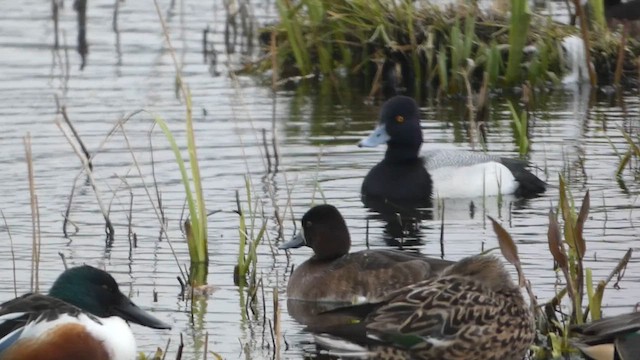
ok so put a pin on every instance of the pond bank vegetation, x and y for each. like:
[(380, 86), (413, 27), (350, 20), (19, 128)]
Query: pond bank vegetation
[(398, 44)]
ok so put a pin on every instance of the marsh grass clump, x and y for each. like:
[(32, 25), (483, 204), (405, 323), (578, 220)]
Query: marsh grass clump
[(521, 130), (399, 44), (251, 230), (196, 225), (568, 248)]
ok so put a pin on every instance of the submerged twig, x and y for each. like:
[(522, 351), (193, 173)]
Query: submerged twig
[(110, 232)]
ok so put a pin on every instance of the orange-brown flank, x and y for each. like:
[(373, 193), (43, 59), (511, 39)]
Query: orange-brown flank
[(64, 342)]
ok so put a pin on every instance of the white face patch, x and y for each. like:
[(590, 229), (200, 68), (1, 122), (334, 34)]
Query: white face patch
[(379, 136), (301, 235)]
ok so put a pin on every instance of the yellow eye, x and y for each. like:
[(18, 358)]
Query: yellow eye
[(399, 119)]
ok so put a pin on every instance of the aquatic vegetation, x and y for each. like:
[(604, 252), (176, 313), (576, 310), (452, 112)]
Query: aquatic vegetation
[(568, 247), (399, 44), (249, 239), (518, 28), (630, 157), (521, 127), (196, 224)]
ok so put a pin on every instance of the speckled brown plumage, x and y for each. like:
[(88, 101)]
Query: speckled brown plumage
[(471, 311)]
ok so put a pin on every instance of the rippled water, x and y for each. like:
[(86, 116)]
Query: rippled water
[(573, 131)]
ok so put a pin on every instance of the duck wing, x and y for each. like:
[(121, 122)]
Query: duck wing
[(436, 159), (17, 313), (427, 314), (434, 312), (608, 329), (380, 272)]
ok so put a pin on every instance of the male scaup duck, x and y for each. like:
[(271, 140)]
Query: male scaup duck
[(404, 176), (471, 310), (333, 274), (84, 317), (616, 337)]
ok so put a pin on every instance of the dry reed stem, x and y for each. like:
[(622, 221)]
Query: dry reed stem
[(85, 163), (35, 217), (67, 212), (159, 214), (276, 321), (13, 254)]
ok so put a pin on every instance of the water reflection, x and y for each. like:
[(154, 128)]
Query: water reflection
[(314, 313)]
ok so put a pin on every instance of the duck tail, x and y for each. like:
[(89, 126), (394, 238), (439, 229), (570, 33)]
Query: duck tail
[(530, 185)]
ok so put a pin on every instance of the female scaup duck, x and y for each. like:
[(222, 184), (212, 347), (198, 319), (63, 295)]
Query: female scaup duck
[(84, 317), (333, 274), (471, 310), (403, 176)]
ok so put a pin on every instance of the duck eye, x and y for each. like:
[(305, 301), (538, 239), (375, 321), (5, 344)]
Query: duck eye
[(399, 119)]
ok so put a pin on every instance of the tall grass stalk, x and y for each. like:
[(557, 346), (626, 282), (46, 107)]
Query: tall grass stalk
[(248, 239), (415, 56), (457, 48), (521, 127), (196, 225), (442, 70), (597, 14), (35, 218), (632, 152), (493, 63), (289, 20), (518, 29)]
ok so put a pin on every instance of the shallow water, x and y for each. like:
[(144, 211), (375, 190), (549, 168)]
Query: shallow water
[(574, 132)]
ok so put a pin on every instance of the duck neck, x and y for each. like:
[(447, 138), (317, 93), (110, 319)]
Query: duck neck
[(338, 246), (402, 153)]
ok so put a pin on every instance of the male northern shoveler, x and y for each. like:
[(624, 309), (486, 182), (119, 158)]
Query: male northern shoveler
[(472, 310), (612, 338), (83, 318)]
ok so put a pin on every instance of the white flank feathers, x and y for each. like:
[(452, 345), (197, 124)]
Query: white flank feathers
[(488, 179)]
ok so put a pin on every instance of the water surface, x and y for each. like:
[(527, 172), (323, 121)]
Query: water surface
[(573, 132)]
